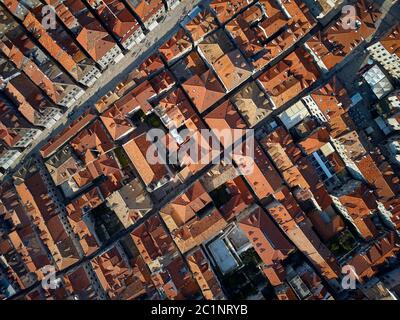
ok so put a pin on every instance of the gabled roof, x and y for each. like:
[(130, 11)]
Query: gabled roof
[(95, 40), (232, 69), (269, 242), (186, 206), (136, 150), (118, 18), (176, 45), (259, 228), (204, 275), (290, 76), (93, 138), (223, 117), (315, 141), (145, 9), (226, 9), (204, 90), (177, 107), (334, 43), (263, 179), (391, 41), (201, 25), (116, 122)]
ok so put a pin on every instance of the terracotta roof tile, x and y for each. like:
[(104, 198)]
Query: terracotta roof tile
[(204, 90)]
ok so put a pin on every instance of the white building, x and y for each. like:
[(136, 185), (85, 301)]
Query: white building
[(294, 115), (314, 109), (114, 55), (378, 82), (390, 62), (8, 157), (393, 147)]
